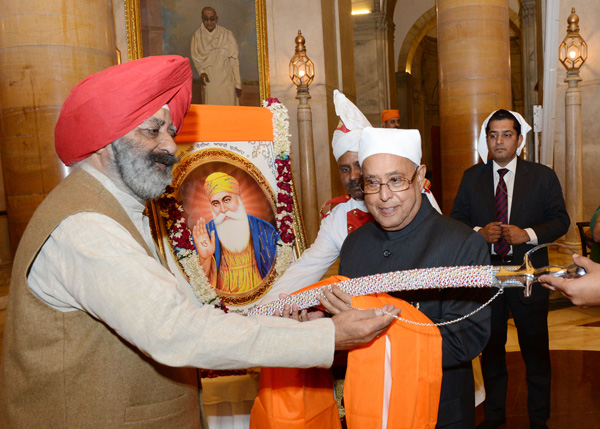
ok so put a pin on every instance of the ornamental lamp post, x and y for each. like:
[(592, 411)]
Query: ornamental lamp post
[(572, 53), (302, 73)]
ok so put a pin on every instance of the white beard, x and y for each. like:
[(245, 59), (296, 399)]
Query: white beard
[(234, 233)]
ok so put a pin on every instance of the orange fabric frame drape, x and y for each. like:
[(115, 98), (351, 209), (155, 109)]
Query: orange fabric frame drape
[(205, 123)]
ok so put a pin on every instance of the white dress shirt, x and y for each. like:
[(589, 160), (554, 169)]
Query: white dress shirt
[(318, 258), (509, 180)]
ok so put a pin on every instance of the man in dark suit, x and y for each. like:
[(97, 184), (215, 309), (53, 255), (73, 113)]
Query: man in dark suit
[(515, 205), (409, 233)]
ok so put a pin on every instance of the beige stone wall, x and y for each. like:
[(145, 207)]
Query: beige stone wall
[(589, 22)]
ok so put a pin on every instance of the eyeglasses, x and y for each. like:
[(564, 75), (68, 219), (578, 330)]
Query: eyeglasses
[(209, 18), (395, 184)]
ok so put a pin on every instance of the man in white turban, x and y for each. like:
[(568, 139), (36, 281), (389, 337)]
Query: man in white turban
[(341, 215), (515, 205), (215, 54), (348, 214), (409, 233)]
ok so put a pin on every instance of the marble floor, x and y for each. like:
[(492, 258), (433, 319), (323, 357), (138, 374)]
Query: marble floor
[(575, 354)]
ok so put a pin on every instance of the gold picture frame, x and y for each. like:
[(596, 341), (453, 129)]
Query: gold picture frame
[(133, 25), (193, 169)]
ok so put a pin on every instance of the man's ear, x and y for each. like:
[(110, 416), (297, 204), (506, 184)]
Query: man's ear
[(421, 174), (520, 140)]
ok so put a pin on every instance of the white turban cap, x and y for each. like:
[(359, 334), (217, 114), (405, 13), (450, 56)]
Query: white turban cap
[(482, 148), (404, 143), (347, 137)]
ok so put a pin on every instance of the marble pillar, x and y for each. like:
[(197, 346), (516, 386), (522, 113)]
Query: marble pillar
[(475, 79), (371, 49), (46, 48), (529, 52)]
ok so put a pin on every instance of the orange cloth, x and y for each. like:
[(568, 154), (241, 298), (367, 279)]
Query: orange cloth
[(416, 372), (205, 123), (107, 105), (293, 398), (296, 398), (303, 398), (386, 115)]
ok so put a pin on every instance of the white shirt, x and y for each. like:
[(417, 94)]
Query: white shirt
[(91, 263), (318, 258), (509, 180)]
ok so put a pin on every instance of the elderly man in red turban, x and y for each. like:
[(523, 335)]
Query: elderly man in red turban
[(98, 332)]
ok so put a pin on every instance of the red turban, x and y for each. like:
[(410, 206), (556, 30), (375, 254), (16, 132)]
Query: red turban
[(107, 105), (386, 115)]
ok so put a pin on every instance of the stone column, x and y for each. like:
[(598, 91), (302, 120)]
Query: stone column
[(573, 159), (46, 48), (308, 177), (372, 64), (474, 65), (529, 54)]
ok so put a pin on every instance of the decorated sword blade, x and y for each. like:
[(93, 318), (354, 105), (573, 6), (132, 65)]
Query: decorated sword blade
[(417, 279), (432, 278)]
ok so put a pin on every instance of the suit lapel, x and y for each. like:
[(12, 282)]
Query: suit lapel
[(519, 191), (489, 191)]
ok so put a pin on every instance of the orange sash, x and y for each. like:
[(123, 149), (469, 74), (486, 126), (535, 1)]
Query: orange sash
[(303, 398), (416, 372), (296, 398)]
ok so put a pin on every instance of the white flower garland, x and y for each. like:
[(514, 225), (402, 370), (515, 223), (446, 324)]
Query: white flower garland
[(281, 146), (180, 235)]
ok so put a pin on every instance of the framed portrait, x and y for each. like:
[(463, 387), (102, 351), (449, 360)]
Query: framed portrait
[(229, 224), (162, 27)]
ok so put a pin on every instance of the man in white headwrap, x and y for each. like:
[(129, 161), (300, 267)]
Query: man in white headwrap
[(341, 215), (535, 214), (409, 233), (348, 214), (215, 52)]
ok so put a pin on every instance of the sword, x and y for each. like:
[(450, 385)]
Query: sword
[(502, 277)]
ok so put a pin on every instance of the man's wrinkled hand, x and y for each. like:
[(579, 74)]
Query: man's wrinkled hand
[(355, 328), (335, 301)]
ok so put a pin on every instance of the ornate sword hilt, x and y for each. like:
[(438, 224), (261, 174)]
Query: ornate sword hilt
[(526, 274)]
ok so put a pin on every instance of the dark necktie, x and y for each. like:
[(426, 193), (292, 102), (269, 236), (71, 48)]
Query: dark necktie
[(501, 247)]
